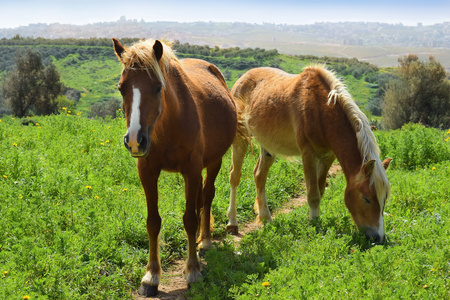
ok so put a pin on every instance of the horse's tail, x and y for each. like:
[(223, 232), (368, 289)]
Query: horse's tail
[(242, 132)]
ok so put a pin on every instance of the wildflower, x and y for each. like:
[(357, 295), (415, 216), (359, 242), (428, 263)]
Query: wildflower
[(109, 127), (5, 273), (37, 124), (0, 120), (425, 286), (88, 187), (124, 190), (107, 141), (103, 144), (64, 108), (26, 297), (266, 283), (96, 197), (4, 176), (433, 168), (69, 111), (14, 144), (121, 109)]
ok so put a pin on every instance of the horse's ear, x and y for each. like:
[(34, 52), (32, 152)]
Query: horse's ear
[(386, 163), (368, 167), (158, 50), (118, 48)]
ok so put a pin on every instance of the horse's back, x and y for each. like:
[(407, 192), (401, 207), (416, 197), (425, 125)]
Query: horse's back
[(267, 94), (284, 112), (216, 107)]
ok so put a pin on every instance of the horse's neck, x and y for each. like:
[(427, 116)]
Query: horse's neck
[(346, 150), (177, 101)]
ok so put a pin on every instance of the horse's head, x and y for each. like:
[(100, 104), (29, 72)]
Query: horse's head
[(141, 85), (365, 197)]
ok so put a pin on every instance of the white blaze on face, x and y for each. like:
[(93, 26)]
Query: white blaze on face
[(135, 118)]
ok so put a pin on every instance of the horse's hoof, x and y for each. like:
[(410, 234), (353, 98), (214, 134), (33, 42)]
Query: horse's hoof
[(148, 290), (233, 229)]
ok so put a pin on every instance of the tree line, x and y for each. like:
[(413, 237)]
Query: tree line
[(417, 91)]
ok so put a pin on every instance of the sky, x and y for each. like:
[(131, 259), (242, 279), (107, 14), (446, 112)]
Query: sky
[(14, 13)]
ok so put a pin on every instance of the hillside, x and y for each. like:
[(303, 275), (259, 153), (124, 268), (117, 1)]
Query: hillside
[(378, 43), (90, 66)]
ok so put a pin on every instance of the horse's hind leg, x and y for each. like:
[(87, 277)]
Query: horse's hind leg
[(209, 191), (238, 150), (260, 174)]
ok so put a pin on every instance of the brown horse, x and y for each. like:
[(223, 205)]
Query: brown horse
[(180, 118), (312, 115)]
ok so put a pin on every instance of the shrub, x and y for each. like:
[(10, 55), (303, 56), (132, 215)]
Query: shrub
[(414, 145), (420, 95)]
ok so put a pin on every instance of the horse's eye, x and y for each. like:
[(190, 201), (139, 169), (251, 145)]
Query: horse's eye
[(366, 199)]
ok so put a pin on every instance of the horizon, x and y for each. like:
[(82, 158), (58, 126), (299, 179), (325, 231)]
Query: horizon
[(289, 12)]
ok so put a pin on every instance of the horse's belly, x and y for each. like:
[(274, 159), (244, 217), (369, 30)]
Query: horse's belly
[(275, 140)]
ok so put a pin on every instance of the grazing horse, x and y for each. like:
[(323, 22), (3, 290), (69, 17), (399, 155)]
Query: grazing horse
[(180, 117), (312, 115)]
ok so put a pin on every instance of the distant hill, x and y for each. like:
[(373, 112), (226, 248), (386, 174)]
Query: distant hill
[(378, 43)]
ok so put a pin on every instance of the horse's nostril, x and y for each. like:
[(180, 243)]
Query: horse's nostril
[(125, 141), (143, 142)]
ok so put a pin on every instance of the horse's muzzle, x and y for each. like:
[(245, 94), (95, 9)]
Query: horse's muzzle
[(138, 147), (373, 236)]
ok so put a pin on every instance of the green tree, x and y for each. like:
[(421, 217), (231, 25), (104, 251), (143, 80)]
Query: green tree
[(105, 108), (32, 87), (421, 94)]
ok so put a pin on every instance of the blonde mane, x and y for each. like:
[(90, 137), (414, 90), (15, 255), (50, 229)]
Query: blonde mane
[(141, 56), (367, 143)]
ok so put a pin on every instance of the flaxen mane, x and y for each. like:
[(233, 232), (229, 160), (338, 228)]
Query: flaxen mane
[(141, 56), (367, 144)]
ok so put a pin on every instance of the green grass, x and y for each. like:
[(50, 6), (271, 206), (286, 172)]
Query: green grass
[(73, 210), (73, 223)]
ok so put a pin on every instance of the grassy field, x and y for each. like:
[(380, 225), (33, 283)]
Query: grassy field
[(73, 222), (73, 210)]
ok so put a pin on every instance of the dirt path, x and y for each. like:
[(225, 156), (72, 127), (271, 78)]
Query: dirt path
[(173, 285)]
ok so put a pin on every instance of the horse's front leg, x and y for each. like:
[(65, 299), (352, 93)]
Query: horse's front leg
[(150, 282), (313, 192), (193, 181)]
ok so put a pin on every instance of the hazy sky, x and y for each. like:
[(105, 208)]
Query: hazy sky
[(14, 13)]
